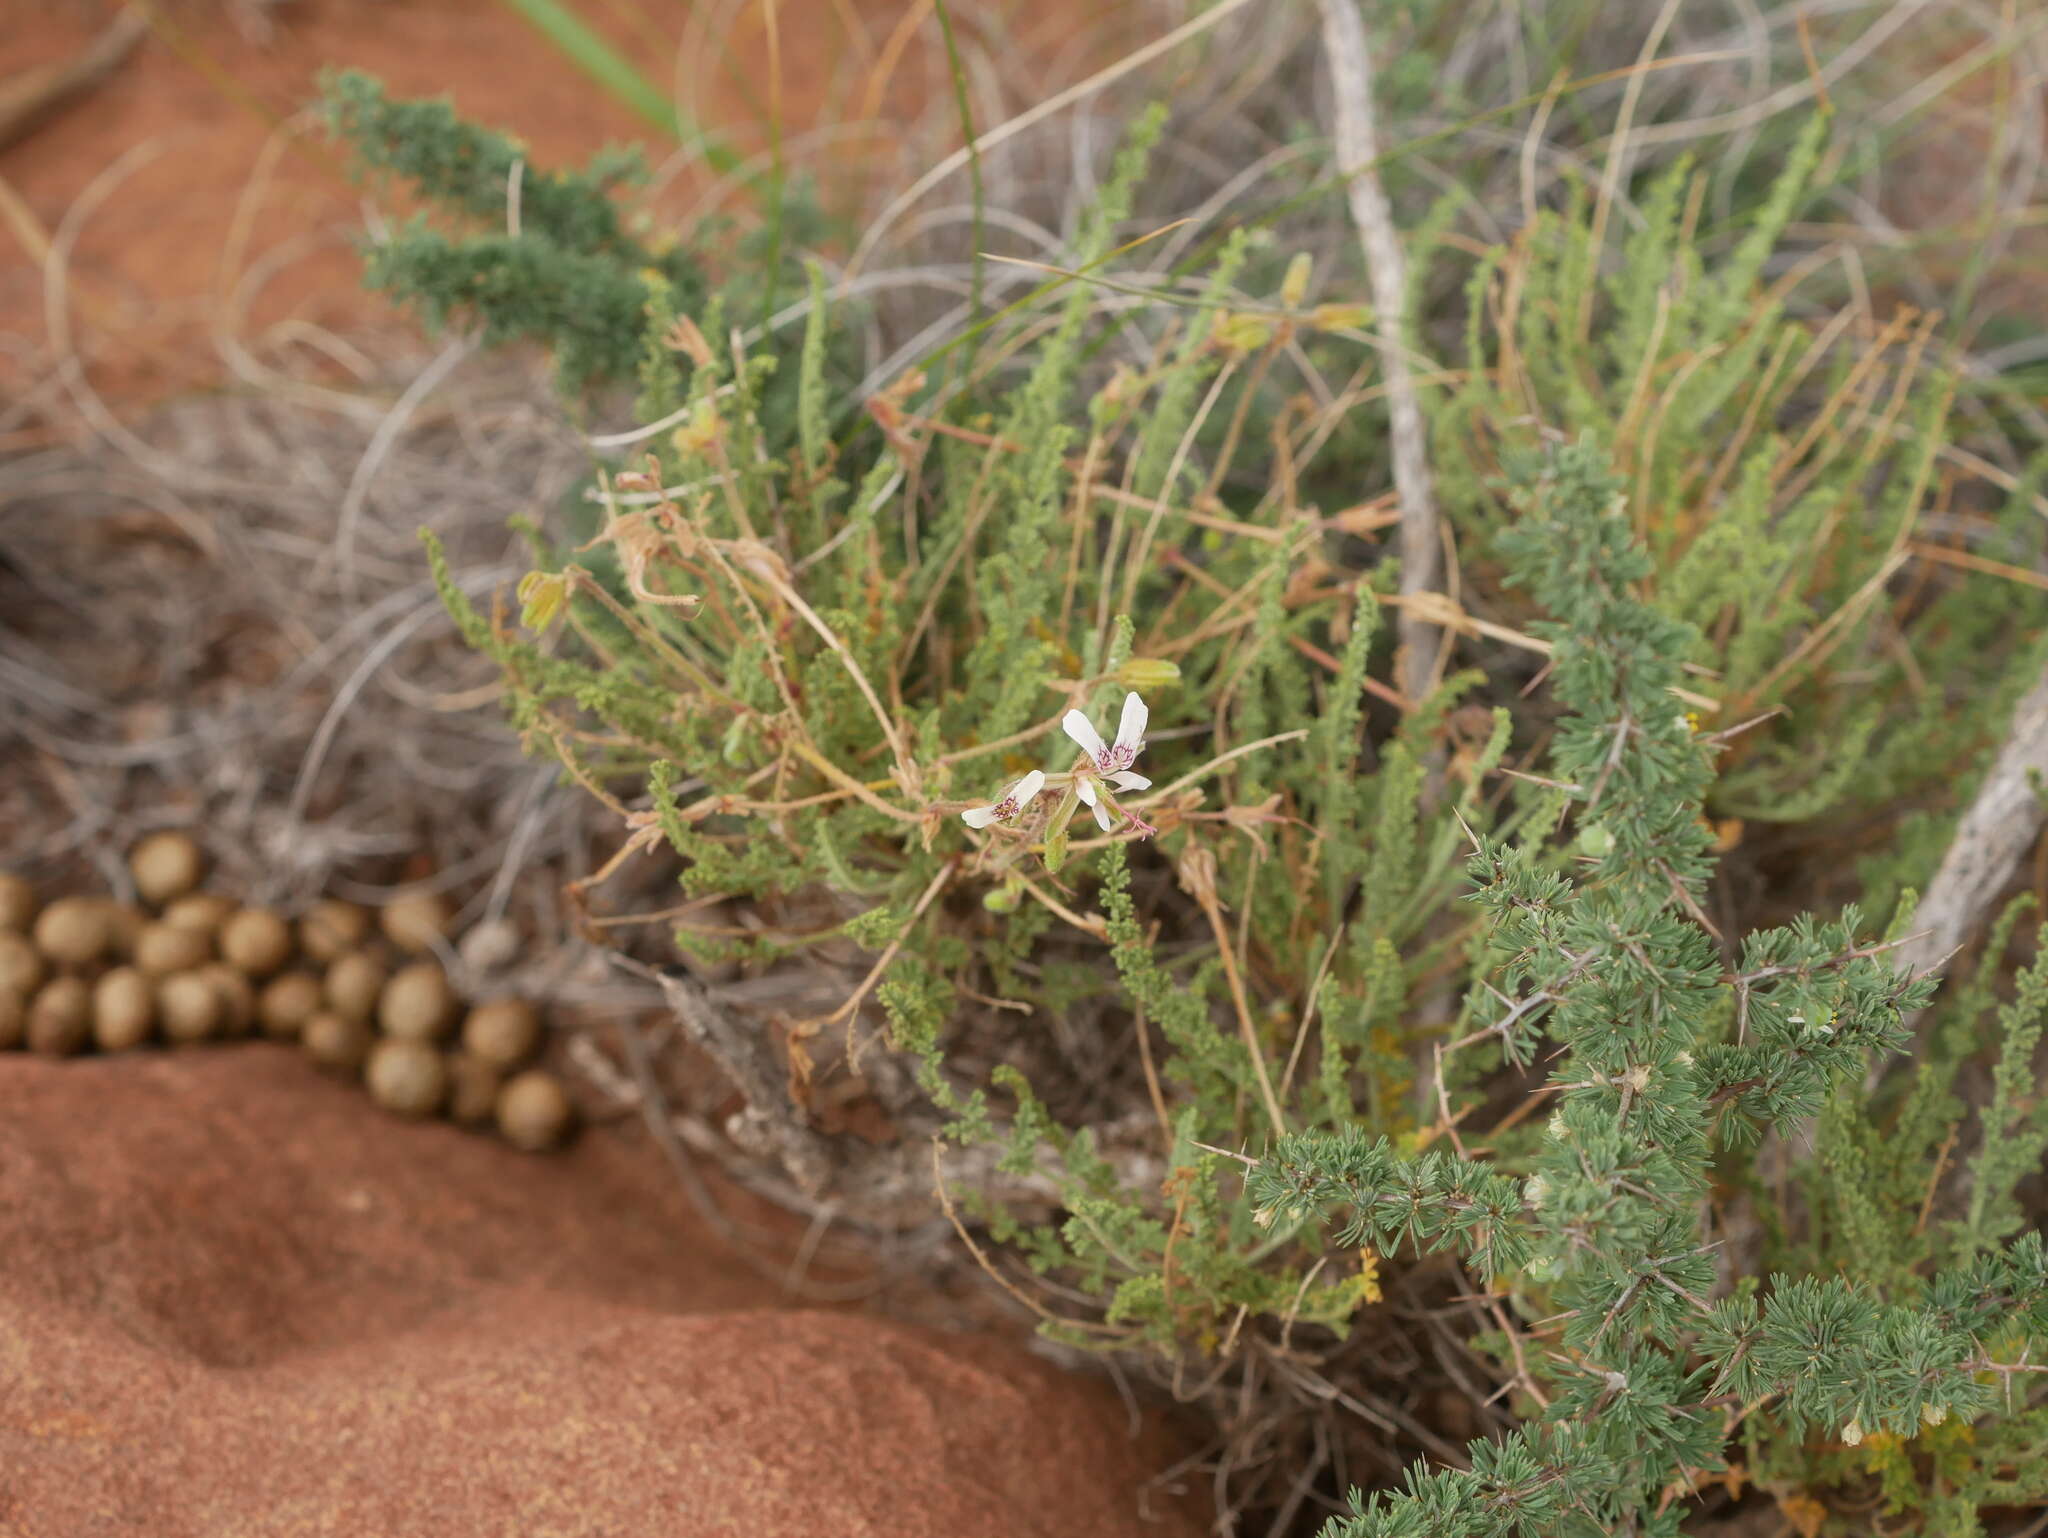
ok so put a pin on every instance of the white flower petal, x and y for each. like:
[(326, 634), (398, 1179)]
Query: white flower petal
[(1130, 731), (978, 816), (1123, 779), (1084, 787), (1101, 815), (1082, 730), (1026, 790)]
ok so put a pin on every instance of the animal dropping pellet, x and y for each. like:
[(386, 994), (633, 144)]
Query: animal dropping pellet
[(166, 866), (17, 904), (60, 1017), (408, 1077), (534, 1111), (163, 948), (13, 1019), (73, 931), (336, 1042), (418, 1004), (286, 1003), (123, 1010), (202, 910), (352, 986), (331, 929), (414, 922), (472, 1090), (188, 1006), (237, 998), (125, 923), (255, 941), (502, 1032), (21, 965)]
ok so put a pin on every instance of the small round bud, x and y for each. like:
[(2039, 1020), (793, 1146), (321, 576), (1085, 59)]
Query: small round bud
[(335, 1042), (188, 1006), (415, 921), (201, 910), (286, 1003), (353, 984), (21, 965), (417, 1004), (332, 928), (534, 1111), (17, 904), (123, 1010), (502, 1032), (163, 948), (60, 1017), (73, 931), (408, 1077), (165, 866), (255, 941)]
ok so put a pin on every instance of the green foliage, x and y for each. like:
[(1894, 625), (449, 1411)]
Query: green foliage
[(1657, 1052), (812, 648), (567, 274), (1775, 478)]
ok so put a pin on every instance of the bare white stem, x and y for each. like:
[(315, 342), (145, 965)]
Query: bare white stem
[(1357, 146), (1999, 827)]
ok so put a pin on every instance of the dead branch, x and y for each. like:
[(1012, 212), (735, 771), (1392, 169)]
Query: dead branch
[(1999, 827), (1357, 144)]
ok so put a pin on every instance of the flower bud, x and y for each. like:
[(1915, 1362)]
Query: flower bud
[(1241, 332), (1852, 1434), (1341, 317), (1055, 851), (699, 433), (1294, 287), (1004, 898), (541, 596), (1145, 674)]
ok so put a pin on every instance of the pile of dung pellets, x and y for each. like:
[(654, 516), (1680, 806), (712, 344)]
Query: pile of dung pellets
[(359, 993)]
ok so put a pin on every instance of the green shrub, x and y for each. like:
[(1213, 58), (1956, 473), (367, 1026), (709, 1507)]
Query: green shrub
[(830, 661)]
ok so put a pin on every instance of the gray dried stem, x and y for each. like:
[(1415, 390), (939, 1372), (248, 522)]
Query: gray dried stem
[(2000, 825), (1356, 140)]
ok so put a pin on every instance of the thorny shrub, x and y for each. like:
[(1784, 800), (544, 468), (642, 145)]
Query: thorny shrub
[(1037, 676)]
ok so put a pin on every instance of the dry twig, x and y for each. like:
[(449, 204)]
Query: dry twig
[(1357, 145), (1999, 827)]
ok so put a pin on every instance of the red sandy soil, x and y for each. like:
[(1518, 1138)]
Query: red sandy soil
[(236, 1299), (198, 163)]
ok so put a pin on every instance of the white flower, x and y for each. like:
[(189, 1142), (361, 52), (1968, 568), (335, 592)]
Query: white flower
[(1015, 799), (1109, 761), (1085, 789), (1113, 760)]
